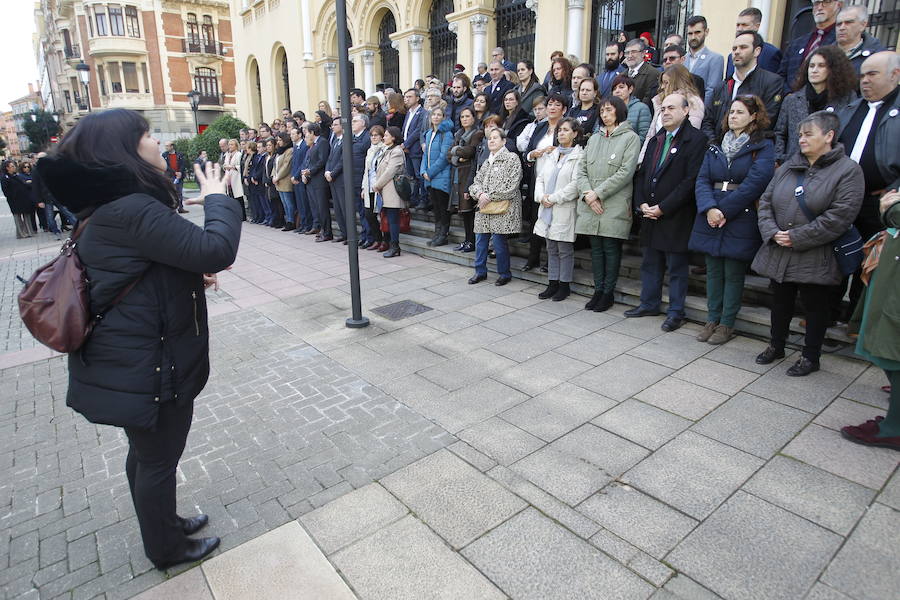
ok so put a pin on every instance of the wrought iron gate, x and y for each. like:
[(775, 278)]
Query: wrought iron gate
[(673, 15), (607, 21), (443, 41), (884, 21), (515, 30), (390, 57)]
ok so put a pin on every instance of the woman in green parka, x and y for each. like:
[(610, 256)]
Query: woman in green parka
[(877, 320), (605, 189)]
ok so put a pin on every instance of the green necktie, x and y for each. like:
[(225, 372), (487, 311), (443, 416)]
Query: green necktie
[(665, 150)]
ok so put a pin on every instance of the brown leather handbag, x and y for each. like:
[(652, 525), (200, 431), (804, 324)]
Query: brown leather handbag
[(55, 302)]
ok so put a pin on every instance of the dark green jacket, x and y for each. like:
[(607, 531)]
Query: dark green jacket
[(882, 334)]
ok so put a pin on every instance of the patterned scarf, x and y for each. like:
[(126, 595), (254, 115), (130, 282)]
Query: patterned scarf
[(731, 144)]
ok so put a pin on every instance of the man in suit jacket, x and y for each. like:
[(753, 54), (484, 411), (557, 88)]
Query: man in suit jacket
[(334, 175), (497, 86), (413, 123), (675, 55), (824, 16), (305, 214), (361, 143), (748, 78), (644, 75), (664, 199), (701, 60), (314, 177), (769, 59)]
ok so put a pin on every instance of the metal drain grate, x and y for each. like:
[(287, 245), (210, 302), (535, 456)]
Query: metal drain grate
[(401, 310)]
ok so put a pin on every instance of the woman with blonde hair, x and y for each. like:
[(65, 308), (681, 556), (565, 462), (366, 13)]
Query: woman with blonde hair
[(233, 175), (675, 80)]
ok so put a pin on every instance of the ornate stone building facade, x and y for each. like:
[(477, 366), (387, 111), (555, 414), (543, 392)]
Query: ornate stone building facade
[(144, 55), (286, 50)]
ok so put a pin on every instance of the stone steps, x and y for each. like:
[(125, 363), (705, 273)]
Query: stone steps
[(752, 320)]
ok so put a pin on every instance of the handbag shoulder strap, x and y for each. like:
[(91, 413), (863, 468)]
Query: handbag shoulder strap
[(799, 194)]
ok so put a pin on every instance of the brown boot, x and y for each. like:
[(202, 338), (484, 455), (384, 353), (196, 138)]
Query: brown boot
[(721, 335), (708, 330)]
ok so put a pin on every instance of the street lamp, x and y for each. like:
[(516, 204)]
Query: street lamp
[(194, 97), (84, 74)]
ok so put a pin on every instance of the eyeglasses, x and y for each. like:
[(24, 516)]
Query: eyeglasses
[(668, 59), (627, 52)]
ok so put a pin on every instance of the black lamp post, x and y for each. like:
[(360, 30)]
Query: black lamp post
[(356, 320), (194, 97), (84, 74)]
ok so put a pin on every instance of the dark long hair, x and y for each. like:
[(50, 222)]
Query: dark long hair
[(755, 106), (110, 139), (533, 79), (842, 77)]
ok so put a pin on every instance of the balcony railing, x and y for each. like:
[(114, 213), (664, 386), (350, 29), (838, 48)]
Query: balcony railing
[(215, 100), (193, 46), (73, 51)]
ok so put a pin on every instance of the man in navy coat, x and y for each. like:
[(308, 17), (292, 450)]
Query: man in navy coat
[(769, 58), (334, 175), (497, 86), (314, 177), (307, 221), (824, 15), (361, 143), (412, 129)]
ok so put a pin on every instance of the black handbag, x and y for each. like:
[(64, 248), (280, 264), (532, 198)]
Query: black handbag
[(403, 183), (847, 248)]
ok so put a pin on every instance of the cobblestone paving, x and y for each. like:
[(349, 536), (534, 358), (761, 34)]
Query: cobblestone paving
[(280, 430)]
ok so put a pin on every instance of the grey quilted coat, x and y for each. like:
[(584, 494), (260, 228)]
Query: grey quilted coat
[(834, 192)]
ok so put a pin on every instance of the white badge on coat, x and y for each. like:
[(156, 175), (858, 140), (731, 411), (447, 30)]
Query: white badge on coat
[(866, 52), (673, 150), (612, 156), (702, 57), (893, 113)]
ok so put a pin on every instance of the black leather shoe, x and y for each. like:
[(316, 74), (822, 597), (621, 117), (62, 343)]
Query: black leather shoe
[(477, 279), (769, 355), (194, 524), (803, 367), (502, 280), (672, 323), (637, 311), (528, 267), (195, 550)]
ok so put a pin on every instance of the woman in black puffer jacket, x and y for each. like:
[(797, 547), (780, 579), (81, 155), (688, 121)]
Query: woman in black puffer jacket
[(148, 356)]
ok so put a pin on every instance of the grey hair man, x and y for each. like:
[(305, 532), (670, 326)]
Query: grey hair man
[(850, 34)]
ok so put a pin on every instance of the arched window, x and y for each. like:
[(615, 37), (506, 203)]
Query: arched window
[(209, 35), (206, 82), (515, 30), (390, 57), (443, 41), (285, 80), (193, 33), (607, 16)]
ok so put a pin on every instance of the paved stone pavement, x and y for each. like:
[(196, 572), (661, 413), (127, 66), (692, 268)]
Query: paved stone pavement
[(495, 446)]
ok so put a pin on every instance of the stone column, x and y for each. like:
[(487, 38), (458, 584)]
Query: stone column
[(479, 40), (416, 43), (368, 60), (307, 30), (331, 81), (574, 28)]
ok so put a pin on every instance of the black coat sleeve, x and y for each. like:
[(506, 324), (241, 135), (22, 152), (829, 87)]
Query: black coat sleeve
[(683, 194), (163, 236)]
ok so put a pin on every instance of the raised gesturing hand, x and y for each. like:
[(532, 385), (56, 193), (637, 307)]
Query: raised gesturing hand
[(211, 182)]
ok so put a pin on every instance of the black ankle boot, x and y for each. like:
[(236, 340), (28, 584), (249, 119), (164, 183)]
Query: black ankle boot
[(605, 303), (562, 293), (552, 288), (595, 299)]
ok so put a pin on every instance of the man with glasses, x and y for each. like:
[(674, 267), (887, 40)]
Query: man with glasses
[(701, 60), (769, 59), (851, 36), (824, 15), (747, 80), (675, 55), (499, 55), (644, 75)]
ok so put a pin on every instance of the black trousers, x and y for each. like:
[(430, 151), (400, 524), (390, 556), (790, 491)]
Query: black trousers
[(374, 221), (440, 204), (150, 466), (816, 304), (322, 196)]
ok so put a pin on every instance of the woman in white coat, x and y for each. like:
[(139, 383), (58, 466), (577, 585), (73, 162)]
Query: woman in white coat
[(233, 179), (556, 191)]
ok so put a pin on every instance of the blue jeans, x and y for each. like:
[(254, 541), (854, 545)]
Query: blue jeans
[(501, 249), (393, 219), (262, 201), (302, 202), (287, 200), (653, 269)]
